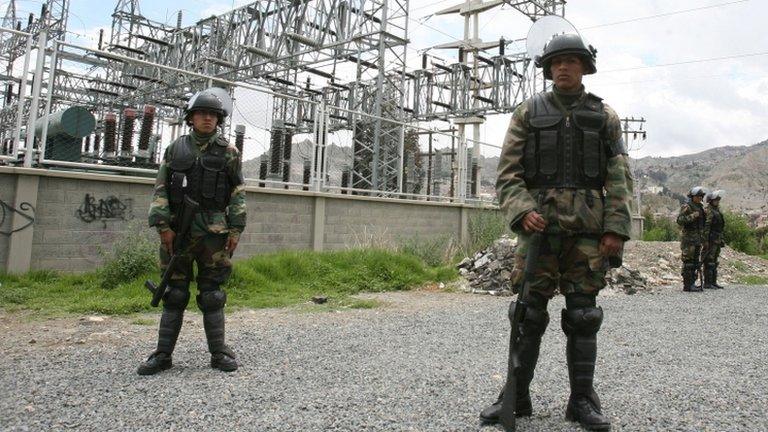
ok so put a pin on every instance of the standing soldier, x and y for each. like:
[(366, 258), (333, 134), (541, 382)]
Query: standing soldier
[(564, 149), (713, 239), (205, 167), (691, 221)]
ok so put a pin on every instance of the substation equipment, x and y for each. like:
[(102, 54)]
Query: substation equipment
[(330, 66)]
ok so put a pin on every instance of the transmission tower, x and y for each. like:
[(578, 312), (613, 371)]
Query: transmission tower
[(632, 127)]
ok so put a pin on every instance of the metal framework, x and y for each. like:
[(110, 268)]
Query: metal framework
[(339, 56)]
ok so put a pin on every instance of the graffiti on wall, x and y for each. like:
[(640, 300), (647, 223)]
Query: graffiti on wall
[(25, 210), (104, 210)]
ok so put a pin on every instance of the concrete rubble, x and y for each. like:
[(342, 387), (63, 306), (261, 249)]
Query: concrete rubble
[(647, 267)]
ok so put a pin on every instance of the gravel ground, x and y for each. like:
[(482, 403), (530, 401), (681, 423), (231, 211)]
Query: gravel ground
[(426, 361)]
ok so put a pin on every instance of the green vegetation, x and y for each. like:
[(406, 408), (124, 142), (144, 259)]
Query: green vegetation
[(485, 227), (434, 251), (740, 236), (753, 280), (135, 254), (273, 280), (661, 229), (739, 266)]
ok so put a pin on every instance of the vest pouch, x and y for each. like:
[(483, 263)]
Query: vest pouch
[(548, 152), (592, 154), (213, 174), (529, 156), (176, 185)]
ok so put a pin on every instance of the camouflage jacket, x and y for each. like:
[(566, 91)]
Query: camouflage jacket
[(571, 211), (691, 221), (231, 221), (714, 225)]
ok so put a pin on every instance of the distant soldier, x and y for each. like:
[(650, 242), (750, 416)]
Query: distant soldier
[(713, 239), (564, 172), (205, 167), (691, 220)]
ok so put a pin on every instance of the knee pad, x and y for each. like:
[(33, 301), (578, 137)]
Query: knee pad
[(584, 321), (210, 301), (177, 296), (535, 320)]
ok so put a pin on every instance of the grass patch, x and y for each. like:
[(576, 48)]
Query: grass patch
[(143, 321), (262, 281), (753, 280), (740, 266)]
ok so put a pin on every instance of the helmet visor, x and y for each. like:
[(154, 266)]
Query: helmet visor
[(543, 30)]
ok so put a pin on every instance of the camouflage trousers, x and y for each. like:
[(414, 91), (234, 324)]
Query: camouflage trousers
[(568, 264), (208, 251), (690, 252), (712, 254)]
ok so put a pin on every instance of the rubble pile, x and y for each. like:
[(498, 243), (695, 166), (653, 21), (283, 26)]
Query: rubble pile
[(660, 263), (647, 267), (489, 271)]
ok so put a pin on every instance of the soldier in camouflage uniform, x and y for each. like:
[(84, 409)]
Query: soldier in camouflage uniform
[(713, 239), (206, 167), (691, 220), (564, 148)]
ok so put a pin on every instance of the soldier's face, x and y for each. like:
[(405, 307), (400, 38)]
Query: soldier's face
[(567, 71), (697, 199), (715, 202), (204, 122)]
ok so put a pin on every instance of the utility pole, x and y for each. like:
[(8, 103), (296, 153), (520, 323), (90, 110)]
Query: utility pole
[(634, 127)]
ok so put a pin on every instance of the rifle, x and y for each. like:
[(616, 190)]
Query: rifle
[(187, 213), (509, 400)]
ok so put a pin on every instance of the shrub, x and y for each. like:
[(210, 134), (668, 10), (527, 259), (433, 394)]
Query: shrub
[(739, 235), (661, 229), (433, 251), (485, 227), (134, 254)]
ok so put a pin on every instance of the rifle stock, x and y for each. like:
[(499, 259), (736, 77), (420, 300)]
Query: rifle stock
[(187, 214), (509, 400)]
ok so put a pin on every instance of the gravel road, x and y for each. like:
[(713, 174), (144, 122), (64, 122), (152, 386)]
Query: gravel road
[(425, 361)]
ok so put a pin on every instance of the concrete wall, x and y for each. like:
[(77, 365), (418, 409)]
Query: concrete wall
[(354, 223), (63, 241), (7, 192), (60, 239)]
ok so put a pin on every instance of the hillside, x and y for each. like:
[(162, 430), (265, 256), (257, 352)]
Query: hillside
[(742, 171)]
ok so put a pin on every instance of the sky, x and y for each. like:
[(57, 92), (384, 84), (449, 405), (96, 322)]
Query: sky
[(695, 70)]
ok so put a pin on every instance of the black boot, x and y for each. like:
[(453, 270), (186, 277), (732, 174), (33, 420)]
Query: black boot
[(581, 326), (170, 326), (708, 276), (689, 278), (714, 277), (174, 303), (222, 358), (533, 326), (212, 304)]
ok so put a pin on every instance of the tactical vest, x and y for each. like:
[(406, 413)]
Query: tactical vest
[(566, 150), (698, 224), (201, 176), (718, 223)]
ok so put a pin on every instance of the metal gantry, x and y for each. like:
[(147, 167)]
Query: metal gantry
[(343, 61)]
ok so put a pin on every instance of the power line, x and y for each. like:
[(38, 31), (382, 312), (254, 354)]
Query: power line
[(762, 53), (665, 14)]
